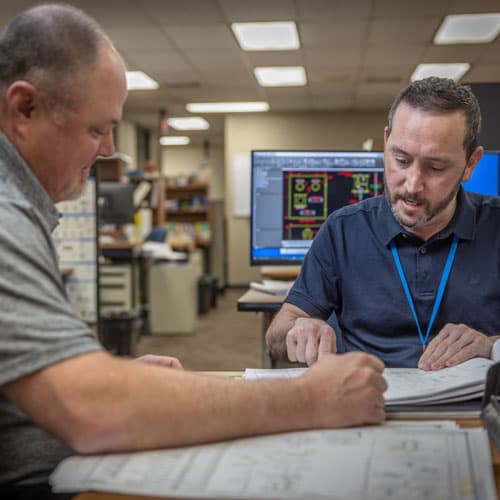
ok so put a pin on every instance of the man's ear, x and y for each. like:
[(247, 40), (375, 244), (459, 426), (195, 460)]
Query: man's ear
[(21, 98), (474, 159), (386, 134)]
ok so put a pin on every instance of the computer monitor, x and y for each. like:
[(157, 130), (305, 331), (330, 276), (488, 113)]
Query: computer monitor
[(486, 176), (116, 203), (293, 192)]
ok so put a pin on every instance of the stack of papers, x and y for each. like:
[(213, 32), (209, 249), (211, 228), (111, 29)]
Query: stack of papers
[(411, 386), (275, 287), (458, 383), (410, 461)]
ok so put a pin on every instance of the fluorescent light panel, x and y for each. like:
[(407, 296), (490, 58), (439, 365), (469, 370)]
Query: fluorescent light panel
[(174, 140), (138, 80), (188, 123), (468, 28), (447, 70), (267, 36), (285, 76), (227, 107)]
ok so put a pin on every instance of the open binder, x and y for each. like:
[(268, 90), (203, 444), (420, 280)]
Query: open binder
[(490, 408)]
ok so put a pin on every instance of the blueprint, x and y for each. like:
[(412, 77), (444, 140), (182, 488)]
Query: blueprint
[(419, 462)]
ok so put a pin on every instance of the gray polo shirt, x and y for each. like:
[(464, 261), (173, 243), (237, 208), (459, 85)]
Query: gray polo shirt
[(37, 324)]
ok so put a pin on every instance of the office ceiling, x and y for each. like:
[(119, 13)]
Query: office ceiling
[(357, 53)]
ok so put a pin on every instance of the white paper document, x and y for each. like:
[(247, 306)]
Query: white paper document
[(413, 386), (274, 287), (378, 463)]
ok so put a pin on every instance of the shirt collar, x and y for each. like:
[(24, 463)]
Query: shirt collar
[(16, 171), (462, 223)]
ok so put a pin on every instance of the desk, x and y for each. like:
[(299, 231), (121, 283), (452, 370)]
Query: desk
[(266, 303)]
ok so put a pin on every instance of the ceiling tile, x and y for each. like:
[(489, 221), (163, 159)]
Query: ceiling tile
[(276, 58), (215, 60), (140, 38), (116, 13), (476, 7), (452, 53), (258, 10), (391, 9), (401, 32), (333, 35), (151, 61), (485, 73), (333, 10), (331, 58), (202, 36), (491, 53), (182, 12), (379, 57)]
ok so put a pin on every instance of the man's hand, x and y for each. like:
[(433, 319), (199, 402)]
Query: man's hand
[(309, 340), (347, 389), (453, 345), (168, 361)]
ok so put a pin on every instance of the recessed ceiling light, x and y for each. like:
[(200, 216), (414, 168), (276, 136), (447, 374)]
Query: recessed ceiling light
[(227, 107), (138, 80), (284, 76), (445, 70), (189, 123), (174, 140), (267, 36), (468, 28)]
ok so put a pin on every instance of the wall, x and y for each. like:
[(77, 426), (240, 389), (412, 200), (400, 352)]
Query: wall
[(243, 133), (126, 142), (186, 160)]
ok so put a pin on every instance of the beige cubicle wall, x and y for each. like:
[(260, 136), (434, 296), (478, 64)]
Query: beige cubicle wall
[(244, 132)]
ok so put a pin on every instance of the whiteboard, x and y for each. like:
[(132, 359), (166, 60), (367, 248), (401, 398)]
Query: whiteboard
[(241, 185), (75, 240)]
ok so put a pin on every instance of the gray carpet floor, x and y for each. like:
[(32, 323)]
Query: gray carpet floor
[(224, 339)]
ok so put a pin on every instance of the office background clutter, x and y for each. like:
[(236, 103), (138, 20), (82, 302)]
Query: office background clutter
[(356, 55)]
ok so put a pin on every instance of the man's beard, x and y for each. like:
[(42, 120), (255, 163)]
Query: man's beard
[(429, 212)]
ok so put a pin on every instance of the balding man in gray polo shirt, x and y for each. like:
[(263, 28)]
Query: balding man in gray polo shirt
[(62, 89)]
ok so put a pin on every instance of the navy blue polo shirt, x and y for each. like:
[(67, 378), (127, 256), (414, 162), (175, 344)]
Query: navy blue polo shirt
[(349, 277)]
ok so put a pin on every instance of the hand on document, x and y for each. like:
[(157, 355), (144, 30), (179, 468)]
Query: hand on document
[(455, 344), (348, 389)]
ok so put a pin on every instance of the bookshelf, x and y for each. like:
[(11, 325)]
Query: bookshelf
[(187, 210)]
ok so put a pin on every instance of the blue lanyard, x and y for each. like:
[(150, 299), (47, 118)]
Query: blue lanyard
[(440, 293)]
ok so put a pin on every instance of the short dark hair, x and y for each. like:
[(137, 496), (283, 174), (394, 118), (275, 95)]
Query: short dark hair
[(443, 95), (49, 46)]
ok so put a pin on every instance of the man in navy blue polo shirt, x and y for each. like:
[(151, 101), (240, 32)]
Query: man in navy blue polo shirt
[(412, 276)]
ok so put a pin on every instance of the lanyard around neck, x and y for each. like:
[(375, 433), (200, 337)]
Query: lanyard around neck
[(440, 293)]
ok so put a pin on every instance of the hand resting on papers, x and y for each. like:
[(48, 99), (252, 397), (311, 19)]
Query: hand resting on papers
[(453, 345)]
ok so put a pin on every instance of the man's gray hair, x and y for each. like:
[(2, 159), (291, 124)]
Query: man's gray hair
[(443, 95), (50, 46)]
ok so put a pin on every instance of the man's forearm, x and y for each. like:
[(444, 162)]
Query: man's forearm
[(129, 406)]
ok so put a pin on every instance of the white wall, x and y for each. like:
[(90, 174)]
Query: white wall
[(244, 132), (126, 142)]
